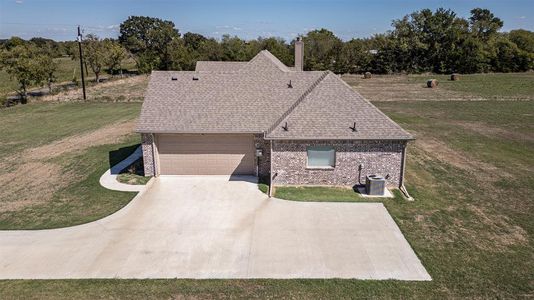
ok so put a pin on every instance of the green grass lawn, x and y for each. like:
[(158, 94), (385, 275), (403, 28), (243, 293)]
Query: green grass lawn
[(317, 194), (471, 174), (61, 190), (324, 194), (32, 125), (81, 201)]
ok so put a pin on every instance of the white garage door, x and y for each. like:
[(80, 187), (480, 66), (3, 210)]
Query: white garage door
[(209, 154)]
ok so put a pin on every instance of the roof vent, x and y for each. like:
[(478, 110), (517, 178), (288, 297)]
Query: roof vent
[(195, 78), (174, 78), (353, 128), (289, 85), (285, 127)]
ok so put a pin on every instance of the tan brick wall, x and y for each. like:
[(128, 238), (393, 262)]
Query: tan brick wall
[(289, 159)]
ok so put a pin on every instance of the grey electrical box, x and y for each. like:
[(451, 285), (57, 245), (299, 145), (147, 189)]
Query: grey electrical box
[(375, 185)]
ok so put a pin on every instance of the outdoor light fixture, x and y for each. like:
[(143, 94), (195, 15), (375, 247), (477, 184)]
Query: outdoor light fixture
[(259, 152)]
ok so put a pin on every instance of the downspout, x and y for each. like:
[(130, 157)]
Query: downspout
[(154, 154), (271, 169), (402, 188)]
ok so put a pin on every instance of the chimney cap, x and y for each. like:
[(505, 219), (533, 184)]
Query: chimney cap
[(299, 39)]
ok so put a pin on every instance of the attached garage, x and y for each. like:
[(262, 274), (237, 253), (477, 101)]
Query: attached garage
[(206, 154)]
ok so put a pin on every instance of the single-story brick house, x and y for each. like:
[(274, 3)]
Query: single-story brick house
[(263, 118)]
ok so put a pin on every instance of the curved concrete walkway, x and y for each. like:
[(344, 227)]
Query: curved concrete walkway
[(109, 179), (213, 227)]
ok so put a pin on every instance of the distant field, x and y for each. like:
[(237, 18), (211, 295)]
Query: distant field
[(67, 69), (498, 86)]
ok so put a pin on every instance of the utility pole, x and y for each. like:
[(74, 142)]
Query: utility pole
[(81, 61)]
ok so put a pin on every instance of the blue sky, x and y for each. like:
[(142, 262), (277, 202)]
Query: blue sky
[(57, 19)]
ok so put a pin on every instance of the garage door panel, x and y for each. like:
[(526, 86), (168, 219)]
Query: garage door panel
[(206, 154)]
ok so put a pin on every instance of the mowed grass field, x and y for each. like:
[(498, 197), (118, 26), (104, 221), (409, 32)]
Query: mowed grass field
[(505, 86), (471, 172)]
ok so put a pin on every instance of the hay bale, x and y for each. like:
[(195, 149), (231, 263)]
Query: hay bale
[(367, 75), (455, 77), (432, 83)]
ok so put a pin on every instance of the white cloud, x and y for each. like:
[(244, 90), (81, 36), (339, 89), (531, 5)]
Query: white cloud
[(522, 17), (19, 1), (229, 27)]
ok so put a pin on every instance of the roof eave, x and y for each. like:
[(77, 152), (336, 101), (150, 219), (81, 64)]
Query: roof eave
[(196, 131), (340, 138)]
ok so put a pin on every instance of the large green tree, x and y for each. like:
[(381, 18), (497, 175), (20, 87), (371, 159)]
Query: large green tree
[(321, 50), (28, 66), (95, 54), (356, 56), (524, 39), (115, 55), (425, 41), (484, 25), (148, 39)]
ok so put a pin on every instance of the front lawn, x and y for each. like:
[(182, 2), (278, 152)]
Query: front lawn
[(52, 157)]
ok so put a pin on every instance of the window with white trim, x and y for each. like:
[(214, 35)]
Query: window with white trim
[(321, 157)]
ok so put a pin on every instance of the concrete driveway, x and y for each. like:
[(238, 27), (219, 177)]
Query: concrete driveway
[(209, 227)]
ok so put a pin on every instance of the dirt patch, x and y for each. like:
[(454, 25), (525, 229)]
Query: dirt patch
[(31, 183), (105, 135), (498, 233), (121, 90), (492, 131), (441, 151)]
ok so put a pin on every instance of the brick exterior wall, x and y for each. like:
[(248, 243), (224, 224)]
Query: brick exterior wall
[(289, 160), (147, 144), (264, 162)]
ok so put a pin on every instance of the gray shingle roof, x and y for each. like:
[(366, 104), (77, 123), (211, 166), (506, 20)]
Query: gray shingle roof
[(219, 66), (330, 110), (264, 61), (255, 98)]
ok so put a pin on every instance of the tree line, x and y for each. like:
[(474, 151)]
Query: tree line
[(424, 41)]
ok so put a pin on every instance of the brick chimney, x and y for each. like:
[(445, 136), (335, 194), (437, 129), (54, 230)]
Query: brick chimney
[(299, 54)]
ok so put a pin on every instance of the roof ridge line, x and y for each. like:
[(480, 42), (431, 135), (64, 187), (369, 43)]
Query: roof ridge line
[(298, 101)]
